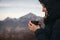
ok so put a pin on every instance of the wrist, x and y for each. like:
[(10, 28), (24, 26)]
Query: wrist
[(38, 27)]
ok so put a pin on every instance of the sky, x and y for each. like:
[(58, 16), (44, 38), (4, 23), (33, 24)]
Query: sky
[(18, 8)]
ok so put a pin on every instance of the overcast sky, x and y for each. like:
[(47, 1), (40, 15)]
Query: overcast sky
[(18, 8)]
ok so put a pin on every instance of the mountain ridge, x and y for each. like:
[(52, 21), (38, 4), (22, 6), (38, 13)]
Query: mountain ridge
[(20, 22)]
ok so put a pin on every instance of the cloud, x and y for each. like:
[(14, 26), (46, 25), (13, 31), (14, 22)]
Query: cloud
[(8, 3), (18, 4)]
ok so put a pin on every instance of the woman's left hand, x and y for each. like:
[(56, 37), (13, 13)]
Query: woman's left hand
[(32, 26)]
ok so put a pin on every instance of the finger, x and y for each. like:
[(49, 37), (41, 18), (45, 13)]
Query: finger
[(30, 23)]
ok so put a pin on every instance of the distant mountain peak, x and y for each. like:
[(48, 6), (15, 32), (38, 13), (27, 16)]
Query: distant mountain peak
[(8, 18), (30, 14)]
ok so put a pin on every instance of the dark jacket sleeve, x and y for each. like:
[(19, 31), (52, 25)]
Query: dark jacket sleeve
[(56, 31), (40, 33)]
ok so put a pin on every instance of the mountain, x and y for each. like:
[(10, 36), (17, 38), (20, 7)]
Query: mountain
[(23, 21), (20, 22), (30, 16)]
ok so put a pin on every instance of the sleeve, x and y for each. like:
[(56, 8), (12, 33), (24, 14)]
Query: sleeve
[(56, 31), (40, 34)]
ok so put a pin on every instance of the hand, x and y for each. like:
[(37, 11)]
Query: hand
[(32, 26)]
